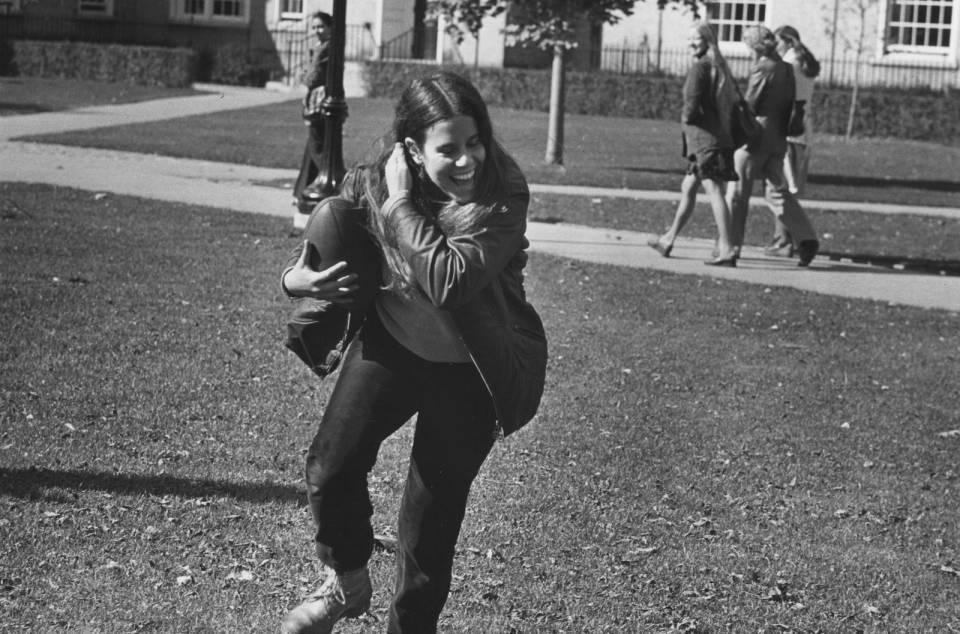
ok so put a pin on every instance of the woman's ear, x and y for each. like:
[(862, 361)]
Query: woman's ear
[(413, 151)]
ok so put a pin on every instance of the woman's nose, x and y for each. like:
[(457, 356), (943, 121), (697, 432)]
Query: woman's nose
[(463, 160)]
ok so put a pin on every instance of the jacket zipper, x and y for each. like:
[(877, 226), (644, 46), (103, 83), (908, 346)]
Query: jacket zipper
[(498, 433)]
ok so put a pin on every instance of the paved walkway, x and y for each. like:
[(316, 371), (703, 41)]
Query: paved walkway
[(248, 189)]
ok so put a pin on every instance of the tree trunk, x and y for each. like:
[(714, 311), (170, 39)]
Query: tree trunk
[(554, 154), (853, 105)]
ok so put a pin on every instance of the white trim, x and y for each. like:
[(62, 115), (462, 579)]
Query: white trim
[(11, 7), (205, 13), (291, 15), (106, 11), (911, 54), (733, 22)]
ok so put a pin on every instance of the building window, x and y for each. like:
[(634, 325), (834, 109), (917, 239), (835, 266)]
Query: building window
[(222, 11), (9, 7), (291, 9), (730, 17), (920, 26), (95, 7)]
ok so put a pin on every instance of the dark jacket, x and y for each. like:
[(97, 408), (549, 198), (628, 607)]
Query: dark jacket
[(770, 93), (703, 125), (477, 275)]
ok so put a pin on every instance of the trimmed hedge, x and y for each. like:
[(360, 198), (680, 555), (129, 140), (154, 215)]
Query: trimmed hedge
[(898, 113), (143, 65)]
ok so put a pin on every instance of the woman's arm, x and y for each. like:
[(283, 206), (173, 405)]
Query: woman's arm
[(452, 269)]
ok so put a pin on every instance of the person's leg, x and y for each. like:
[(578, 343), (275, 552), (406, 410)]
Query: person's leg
[(738, 195), (721, 216), (374, 395), (454, 434), (786, 207), (688, 201), (372, 398)]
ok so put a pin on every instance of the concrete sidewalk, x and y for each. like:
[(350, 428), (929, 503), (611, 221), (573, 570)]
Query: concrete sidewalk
[(253, 189)]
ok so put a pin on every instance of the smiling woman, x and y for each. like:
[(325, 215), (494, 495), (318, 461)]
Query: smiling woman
[(449, 337)]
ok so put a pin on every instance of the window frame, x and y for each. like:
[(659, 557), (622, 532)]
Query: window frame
[(286, 14), (762, 11), (11, 7), (913, 51), (207, 17), (107, 11)]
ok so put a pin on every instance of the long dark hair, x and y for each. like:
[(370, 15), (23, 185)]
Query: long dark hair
[(809, 65), (425, 101)]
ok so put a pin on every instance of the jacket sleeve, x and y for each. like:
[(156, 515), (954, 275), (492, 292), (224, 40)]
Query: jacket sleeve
[(757, 88), (695, 89), (450, 270), (317, 75)]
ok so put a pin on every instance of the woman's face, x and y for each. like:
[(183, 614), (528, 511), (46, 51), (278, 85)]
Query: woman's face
[(321, 30), (698, 45), (782, 45), (452, 155)]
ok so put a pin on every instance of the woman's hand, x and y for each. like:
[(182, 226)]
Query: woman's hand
[(334, 284), (396, 172)]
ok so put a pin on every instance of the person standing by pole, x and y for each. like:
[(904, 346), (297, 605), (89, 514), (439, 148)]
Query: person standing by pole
[(306, 193)]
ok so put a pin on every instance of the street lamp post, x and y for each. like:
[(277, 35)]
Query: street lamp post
[(331, 170)]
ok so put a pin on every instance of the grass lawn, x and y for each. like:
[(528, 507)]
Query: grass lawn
[(710, 456), (28, 95)]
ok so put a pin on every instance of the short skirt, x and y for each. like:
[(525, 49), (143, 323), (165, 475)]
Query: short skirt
[(713, 164)]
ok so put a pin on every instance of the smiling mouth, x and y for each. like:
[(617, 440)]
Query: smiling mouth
[(463, 179)]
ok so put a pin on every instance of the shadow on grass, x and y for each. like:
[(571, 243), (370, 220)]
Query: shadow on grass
[(29, 484), (834, 179), (11, 109)]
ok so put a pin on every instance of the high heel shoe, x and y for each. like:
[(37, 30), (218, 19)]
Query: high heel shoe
[(730, 261), (659, 247)]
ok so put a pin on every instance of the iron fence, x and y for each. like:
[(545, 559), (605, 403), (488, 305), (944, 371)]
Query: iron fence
[(290, 44), (840, 72)]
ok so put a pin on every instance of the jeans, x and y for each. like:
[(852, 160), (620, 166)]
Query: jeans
[(381, 385), (783, 204)]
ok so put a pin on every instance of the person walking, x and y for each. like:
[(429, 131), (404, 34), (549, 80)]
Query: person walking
[(708, 98), (450, 338), (305, 192), (796, 163), (770, 93)]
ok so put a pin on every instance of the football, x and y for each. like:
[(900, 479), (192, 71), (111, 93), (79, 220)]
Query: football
[(337, 231)]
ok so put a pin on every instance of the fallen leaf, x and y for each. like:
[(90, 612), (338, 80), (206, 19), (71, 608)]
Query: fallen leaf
[(953, 433), (183, 580), (950, 570), (243, 575)]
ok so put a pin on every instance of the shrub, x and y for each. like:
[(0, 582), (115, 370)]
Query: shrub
[(234, 64), (144, 65), (899, 113)]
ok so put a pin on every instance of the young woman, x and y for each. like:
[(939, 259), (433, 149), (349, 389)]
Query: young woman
[(305, 193), (770, 93), (449, 337), (797, 160), (708, 148)]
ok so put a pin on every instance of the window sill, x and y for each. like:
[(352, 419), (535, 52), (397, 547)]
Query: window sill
[(916, 59)]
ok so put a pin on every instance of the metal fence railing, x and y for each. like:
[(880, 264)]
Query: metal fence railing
[(840, 72), (290, 48)]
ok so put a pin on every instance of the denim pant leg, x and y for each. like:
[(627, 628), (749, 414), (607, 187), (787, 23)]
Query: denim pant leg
[(373, 397), (784, 204), (454, 434)]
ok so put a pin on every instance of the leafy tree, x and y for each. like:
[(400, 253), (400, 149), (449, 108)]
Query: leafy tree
[(550, 25)]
